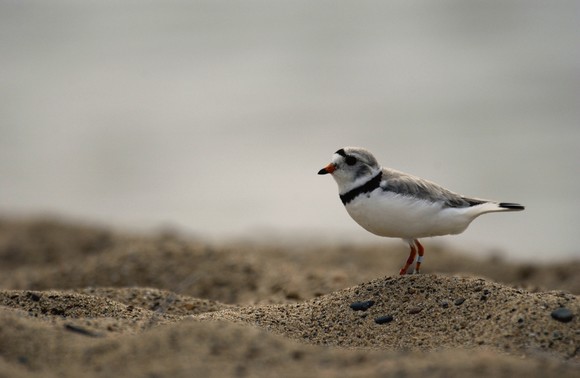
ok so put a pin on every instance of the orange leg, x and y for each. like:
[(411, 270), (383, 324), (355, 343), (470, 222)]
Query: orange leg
[(421, 252), (410, 260)]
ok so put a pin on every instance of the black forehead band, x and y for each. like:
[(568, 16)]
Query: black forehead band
[(341, 152)]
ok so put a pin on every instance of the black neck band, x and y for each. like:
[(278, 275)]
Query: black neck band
[(367, 187)]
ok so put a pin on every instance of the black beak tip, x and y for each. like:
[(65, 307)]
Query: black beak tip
[(323, 171)]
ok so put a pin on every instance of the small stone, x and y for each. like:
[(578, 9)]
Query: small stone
[(34, 297), (57, 311), (384, 319), (297, 355), (362, 306), (563, 315), (444, 304), (415, 310), (459, 301), (81, 330)]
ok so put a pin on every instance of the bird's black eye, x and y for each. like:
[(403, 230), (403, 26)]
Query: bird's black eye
[(350, 160)]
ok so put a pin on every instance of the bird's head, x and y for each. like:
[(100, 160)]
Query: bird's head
[(351, 167)]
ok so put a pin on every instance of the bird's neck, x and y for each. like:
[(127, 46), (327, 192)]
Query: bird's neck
[(367, 186)]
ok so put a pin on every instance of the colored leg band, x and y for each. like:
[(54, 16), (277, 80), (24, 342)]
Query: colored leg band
[(420, 259)]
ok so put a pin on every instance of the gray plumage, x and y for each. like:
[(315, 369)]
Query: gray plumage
[(407, 185)]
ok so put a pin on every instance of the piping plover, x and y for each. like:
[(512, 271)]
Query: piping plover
[(390, 203)]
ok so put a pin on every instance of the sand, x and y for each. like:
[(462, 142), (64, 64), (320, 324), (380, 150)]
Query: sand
[(82, 300)]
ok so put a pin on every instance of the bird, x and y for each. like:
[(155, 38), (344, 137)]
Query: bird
[(391, 203)]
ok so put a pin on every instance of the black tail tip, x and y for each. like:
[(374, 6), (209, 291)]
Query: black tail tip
[(511, 206)]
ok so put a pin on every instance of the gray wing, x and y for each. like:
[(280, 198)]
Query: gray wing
[(407, 185)]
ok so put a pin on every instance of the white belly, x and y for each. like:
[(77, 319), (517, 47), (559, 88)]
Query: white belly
[(393, 215)]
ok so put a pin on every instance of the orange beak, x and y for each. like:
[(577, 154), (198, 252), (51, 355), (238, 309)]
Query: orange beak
[(328, 169)]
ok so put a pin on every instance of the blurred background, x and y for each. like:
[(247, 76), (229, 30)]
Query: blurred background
[(213, 117)]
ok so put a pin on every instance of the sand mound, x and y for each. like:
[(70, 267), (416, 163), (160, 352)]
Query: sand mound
[(96, 339), (424, 312), (160, 301), (85, 301), (218, 349)]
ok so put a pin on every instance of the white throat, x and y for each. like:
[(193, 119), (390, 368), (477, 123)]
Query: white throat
[(345, 184)]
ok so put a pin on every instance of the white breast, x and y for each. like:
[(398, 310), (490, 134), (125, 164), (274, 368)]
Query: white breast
[(393, 215)]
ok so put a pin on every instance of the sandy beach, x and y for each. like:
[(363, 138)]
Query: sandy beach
[(84, 300)]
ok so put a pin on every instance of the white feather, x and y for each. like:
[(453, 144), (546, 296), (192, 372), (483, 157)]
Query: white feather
[(394, 215)]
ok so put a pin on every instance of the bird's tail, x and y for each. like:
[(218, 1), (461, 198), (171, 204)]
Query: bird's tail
[(510, 206), (493, 207)]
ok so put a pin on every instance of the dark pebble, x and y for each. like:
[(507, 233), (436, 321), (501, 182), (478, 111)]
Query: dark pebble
[(81, 330), (563, 315), (459, 301), (415, 310), (444, 304), (57, 311), (362, 306), (384, 319), (34, 297), (297, 355)]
